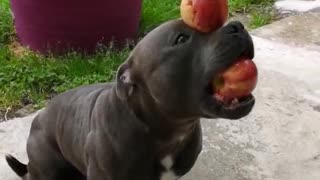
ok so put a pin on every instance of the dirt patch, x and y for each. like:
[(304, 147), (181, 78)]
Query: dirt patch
[(17, 49), (16, 112)]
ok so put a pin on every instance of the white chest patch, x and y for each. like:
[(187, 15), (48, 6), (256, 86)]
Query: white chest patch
[(167, 163), (168, 175)]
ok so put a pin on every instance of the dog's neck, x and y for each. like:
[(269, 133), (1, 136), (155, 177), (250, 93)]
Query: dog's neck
[(169, 131)]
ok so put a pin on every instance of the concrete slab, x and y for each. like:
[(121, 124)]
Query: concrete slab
[(297, 63), (297, 5), (13, 136), (299, 30)]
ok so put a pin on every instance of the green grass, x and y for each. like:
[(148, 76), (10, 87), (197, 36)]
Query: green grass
[(259, 19), (243, 6), (158, 11), (33, 78), (261, 16), (28, 78), (6, 24)]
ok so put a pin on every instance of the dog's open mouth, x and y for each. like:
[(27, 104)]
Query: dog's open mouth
[(232, 87), (234, 102)]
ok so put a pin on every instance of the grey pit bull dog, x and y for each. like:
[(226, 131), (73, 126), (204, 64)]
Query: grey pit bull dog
[(146, 125)]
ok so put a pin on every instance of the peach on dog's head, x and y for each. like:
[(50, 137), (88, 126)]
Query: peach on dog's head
[(204, 15)]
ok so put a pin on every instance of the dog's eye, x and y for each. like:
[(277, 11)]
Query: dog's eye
[(181, 38)]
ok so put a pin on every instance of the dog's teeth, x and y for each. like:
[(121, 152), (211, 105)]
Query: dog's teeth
[(235, 101)]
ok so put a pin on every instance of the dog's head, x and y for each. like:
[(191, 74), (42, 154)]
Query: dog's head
[(173, 66)]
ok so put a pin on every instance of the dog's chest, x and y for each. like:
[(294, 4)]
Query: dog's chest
[(168, 173), (167, 151)]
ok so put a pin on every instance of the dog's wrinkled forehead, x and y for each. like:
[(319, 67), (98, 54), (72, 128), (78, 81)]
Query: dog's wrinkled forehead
[(164, 34), (157, 43)]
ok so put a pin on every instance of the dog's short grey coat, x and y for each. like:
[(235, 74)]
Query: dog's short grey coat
[(145, 125)]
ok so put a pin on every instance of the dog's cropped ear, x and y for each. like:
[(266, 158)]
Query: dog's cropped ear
[(124, 81)]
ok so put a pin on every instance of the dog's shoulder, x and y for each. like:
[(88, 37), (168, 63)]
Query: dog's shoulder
[(83, 91), (79, 97)]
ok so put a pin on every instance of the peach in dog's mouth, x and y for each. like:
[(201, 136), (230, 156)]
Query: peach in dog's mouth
[(234, 85)]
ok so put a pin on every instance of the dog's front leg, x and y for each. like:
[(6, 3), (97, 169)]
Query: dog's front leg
[(187, 157), (131, 159), (98, 157)]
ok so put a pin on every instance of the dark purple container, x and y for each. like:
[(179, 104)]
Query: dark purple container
[(58, 26)]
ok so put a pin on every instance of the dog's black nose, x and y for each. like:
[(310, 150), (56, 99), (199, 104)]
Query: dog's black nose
[(234, 27)]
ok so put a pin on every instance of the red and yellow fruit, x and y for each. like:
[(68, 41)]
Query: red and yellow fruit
[(238, 81), (204, 15)]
